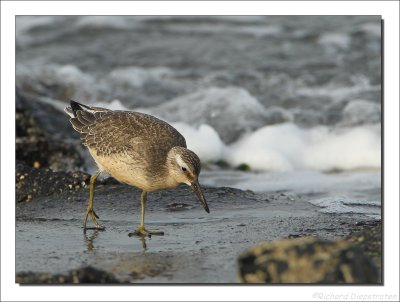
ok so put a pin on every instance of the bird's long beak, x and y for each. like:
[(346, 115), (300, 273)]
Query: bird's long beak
[(197, 190)]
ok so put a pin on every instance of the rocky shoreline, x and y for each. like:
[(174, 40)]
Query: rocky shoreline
[(51, 193)]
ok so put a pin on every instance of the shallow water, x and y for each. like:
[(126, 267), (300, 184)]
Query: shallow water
[(197, 247), (341, 192)]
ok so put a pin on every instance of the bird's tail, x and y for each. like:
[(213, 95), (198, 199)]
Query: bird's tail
[(75, 107), (83, 115)]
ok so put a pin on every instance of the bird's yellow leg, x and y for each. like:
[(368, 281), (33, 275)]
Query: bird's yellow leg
[(141, 230), (89, 210)]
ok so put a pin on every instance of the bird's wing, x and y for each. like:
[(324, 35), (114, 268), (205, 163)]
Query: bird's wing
[(122, 131)]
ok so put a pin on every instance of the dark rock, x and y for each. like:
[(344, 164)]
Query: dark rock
[(31, 182), (369, 239), (306, 260), (83, 275), (222, 164), (52, 121), (40, 153), (243, 167), (38, 143)]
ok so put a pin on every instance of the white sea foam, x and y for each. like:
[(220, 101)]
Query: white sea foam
[(353, 148), (271, 148), (204, 141), (286, 147)]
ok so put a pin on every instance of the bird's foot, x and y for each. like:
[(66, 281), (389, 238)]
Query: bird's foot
[(93, 216), (142, 232)]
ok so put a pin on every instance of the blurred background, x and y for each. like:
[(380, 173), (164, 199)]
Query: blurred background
[(267, 102)]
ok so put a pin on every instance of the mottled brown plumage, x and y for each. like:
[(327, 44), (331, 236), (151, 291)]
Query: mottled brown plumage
[(137, 149)]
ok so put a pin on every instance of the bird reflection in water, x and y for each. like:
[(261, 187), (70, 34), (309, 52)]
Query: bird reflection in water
[(89, 239), (142, 240)]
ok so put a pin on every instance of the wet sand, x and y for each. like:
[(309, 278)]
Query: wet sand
[(197, 247)]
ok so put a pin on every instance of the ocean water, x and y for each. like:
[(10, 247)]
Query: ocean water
[(295, 99)]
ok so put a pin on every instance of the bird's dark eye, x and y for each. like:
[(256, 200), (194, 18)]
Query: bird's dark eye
[(184, 169)]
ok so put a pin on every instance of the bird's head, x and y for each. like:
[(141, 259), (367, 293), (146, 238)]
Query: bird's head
[(184, 167)]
